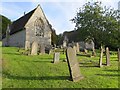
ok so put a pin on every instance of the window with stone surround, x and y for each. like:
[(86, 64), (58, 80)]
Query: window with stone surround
[(39, 27)]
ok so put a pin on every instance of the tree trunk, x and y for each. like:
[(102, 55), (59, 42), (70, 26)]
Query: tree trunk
[(101, 56)]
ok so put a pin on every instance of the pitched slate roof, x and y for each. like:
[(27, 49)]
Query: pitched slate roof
[(19, 24)]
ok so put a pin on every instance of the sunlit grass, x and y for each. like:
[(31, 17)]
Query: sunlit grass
[(21, 71)]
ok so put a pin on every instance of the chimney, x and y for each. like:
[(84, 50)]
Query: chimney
[(24, 13)]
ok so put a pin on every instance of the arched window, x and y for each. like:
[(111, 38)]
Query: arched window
[(39, 27)]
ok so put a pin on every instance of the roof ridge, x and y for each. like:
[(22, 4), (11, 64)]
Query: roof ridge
[(25, 15)]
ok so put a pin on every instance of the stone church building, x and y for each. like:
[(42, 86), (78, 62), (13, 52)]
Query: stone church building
[(31, 27)]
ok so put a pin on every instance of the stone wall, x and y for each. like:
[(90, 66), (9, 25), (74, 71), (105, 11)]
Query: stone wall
[(30, 29), (17, 39)]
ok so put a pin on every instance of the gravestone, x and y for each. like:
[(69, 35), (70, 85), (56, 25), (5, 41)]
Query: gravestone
[(85, 51), (42, 49), (101, 55), (77, 47), (50, 51), (56, 57), (27, 45), (73, 65), (34, 50), (74, 48), (118, 54), (64, 44), (107, 56)]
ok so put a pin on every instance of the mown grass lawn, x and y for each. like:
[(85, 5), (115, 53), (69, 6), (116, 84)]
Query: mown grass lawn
[(21, 71)]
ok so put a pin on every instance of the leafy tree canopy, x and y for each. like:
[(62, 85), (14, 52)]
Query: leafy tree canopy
[(93, 21)]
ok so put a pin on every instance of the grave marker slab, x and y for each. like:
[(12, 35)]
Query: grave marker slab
[(101, 55), (42, 49), (74, 48), (107, 56), (34, 50), (77, 47), (56, 57), (73, 65)]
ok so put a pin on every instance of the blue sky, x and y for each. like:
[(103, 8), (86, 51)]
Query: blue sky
[(58, 12)]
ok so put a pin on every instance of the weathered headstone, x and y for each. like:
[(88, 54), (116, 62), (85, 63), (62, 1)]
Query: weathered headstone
[(77, 47), (118, 54), (107, 56), (27, 45), (42, 49), (73, 65), (101, 55), (85, 51), (65, 41), (64, 44), (56, 57), (50, 51), (74, 48), (34, 50)]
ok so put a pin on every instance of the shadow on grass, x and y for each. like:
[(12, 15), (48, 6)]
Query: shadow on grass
[(87, 55), (112, 70), (89, 66), (89, 63), (107, 75), (12, 53), (37, 78), (45, 61)]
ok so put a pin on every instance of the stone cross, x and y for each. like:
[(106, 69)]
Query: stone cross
[(73, 65), (107, 56), (118, 54), (34, 50), (56, 57)]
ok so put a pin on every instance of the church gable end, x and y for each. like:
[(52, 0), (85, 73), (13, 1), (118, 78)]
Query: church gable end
[(38, 28), (33, 26)]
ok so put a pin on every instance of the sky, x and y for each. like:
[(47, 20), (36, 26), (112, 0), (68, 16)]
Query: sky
[(58, 12)]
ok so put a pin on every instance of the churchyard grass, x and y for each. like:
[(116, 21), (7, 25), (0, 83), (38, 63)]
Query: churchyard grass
[(22, 71)]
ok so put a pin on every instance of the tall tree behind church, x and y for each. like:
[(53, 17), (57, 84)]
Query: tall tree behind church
[(3, 27)]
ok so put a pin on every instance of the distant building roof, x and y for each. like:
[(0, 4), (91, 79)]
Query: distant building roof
[(19, 24)]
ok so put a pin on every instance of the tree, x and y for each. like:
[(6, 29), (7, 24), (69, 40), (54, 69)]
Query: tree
[(5, 22), (97, 23), (54, 37)]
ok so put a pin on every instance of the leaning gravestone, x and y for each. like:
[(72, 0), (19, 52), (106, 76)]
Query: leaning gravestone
[(107, 56), (56, 57), (73, 65), (42, 49), (118, 54), (34, 50)]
